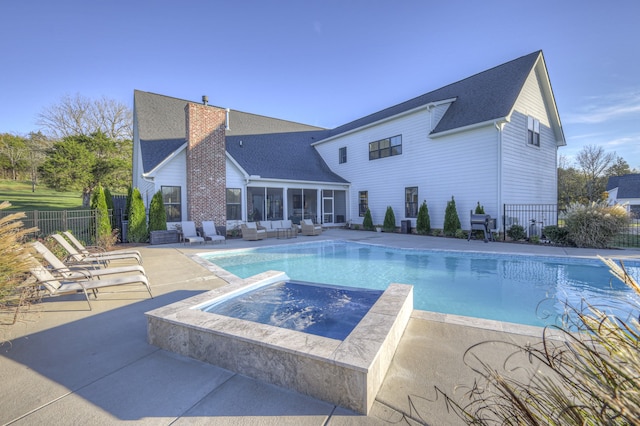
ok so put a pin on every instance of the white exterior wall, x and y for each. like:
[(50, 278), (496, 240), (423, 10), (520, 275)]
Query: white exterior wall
[(529, 172), (235, 179), (172, 174), (462, 165)]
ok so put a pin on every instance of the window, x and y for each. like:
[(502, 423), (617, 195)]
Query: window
[(172, 203), (342, 155), (363, 202), (385, 147), (411, 201), (234, 204), (533, 131)]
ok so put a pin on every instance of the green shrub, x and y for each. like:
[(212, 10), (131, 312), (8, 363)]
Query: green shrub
[(557, 235), (367, 222), (451, 219), (103, 230), (461, 234), (516, 233), (137, 232), (389, 224), (595, 224), (423, 223), (479, 209), (157, 213)]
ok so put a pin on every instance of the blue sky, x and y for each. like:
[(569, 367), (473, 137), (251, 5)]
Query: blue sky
[(321, 62)]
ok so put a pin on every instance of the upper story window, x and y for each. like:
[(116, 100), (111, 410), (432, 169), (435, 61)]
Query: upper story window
[(533, 131), (172, 203), (385, 147), (411, 201), (363, 202), (342, 155)]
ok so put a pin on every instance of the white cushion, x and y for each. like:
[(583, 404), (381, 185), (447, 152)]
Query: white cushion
[(251, 225), (307, 221), (286, 224)]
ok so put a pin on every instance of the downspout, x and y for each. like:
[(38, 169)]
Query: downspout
[(499, 127)]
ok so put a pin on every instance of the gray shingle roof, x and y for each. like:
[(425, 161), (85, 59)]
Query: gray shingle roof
[(486, 96), (274, 148), (628, 185)]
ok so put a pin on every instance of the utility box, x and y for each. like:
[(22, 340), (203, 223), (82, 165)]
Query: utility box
[(405, 226)]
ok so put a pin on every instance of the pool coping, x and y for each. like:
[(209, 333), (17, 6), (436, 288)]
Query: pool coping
[(346, 372)]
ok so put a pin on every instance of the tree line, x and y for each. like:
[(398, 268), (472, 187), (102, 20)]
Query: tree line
[(82, 143)]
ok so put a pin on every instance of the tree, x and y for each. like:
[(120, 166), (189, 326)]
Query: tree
[(593, 162), (137, 232), (571, 184), (451, 219), (99, 203), (618, 168), (14, 151), (367, 222), (37, 145), (389, 224), (423, 223), (80, 162), (157, 213), (81, 116)]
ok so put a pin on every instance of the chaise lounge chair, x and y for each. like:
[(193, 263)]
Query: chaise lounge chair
[(189, 233), (210, 233), (251, 232), (81, 270), (309, 228), (53, 286), (103, 258), (94, 249)]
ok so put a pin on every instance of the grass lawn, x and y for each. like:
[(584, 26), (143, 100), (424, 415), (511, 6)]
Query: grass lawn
[(19, 194)]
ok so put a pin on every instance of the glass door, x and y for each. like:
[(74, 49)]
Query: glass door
[(327, 206)]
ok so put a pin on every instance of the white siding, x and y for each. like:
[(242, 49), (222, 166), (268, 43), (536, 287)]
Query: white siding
[(173, 174), (529, 171), (462, 165)]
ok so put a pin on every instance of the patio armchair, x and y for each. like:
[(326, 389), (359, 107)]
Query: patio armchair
[(309, 228), (251, 232), (210, 233), (48, 285), (189, 233)]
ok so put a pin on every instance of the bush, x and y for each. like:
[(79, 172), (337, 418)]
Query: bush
[(451, 219), (595, 224), (423, 223), (367, 222), (103, 231), (137, 232), (389, 224), (157, 213), (14, 263), (516, 233), (557, 235), (479, 209)]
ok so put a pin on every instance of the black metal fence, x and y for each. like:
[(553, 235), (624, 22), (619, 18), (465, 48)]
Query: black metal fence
[(534, 217), (82, 223)]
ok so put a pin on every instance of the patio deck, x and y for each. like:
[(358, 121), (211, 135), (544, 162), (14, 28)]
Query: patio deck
[(67, 365)]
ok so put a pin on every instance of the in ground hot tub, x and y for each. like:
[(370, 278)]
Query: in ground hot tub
[(345, 368)]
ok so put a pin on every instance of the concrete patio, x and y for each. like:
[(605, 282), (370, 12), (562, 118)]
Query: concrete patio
[(64, 364)]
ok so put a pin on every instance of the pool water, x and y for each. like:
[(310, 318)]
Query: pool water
[(323, 310), (522, 289)]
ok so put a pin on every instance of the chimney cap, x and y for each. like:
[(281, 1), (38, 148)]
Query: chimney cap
[(205, 99)]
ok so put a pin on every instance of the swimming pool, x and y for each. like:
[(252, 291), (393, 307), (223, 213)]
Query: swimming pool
[(521, 289)]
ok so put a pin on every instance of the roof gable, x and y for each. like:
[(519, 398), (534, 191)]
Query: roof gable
[(484, 97)]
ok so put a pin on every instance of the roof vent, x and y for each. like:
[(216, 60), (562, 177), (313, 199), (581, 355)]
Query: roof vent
[(205, 99)]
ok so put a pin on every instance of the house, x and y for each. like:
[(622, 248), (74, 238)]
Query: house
[(490, 138), (625, 190)]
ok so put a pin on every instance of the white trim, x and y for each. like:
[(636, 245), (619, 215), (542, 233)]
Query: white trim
[(165, 161), (470, 127)]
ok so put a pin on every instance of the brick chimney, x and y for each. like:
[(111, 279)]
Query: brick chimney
[(206, 164)]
